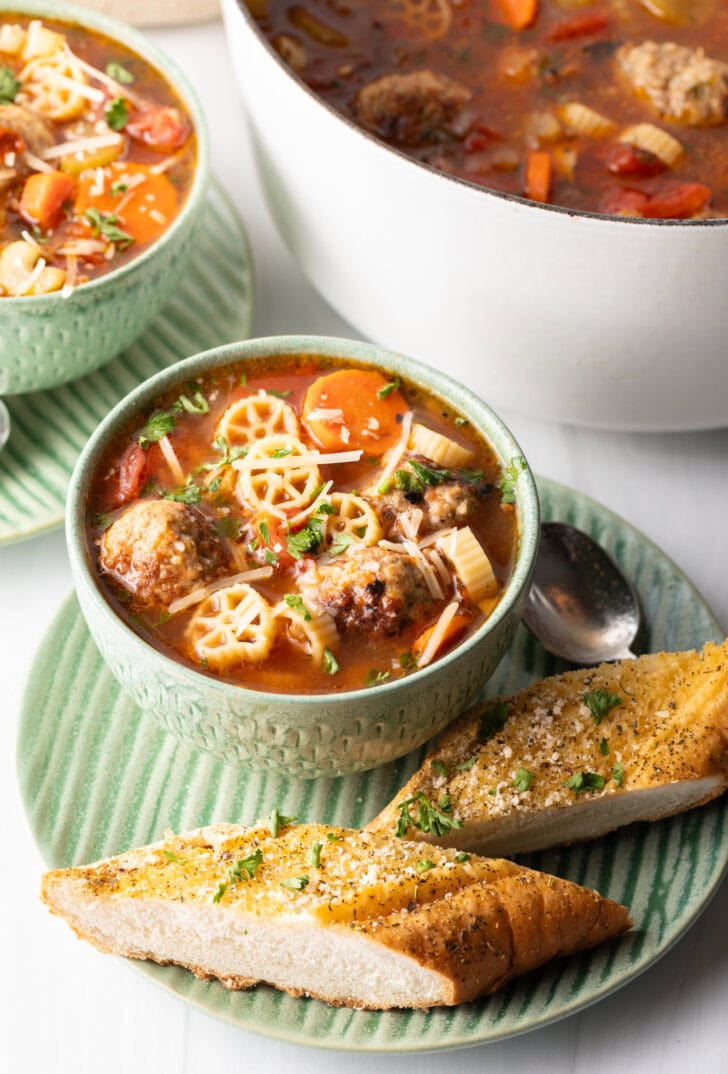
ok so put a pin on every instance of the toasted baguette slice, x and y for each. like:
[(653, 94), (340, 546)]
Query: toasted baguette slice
[(373, 925), (661, 750)]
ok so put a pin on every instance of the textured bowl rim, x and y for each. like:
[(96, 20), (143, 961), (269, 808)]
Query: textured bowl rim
[(86, 18), (481, 191), (487, 423)]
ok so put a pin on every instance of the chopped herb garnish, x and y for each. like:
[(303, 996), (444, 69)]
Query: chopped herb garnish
[(253, 544), (281, 452), (226, 525), (604, 747), (461, 421), (271, 557), (277, 820), (280, 395), (102, 520), (340, 544), (326, 508), (173, 857), (295, 883), (314, 855), (424, 865), (429, 475), (197, 405), (104, 224), (407, 661), (203, 663), (509, 478), (492, 720), (119, 74), (464, 766), (306, 539), (38, 234), (219, 893), (581, 782), (436, 819), (9, 85), (618, 774), (600, 703), (246, 867), (331, 665), (264, 531), (461, 856), (160, 424), (333, 837), (440, 767), (405, 481), (295, 601), (189, 493), (375, 678), (493, 792), (523, 780), (118, 188), (243, 379), (164, 617), (117, 114), (229, 455), (388, 388)]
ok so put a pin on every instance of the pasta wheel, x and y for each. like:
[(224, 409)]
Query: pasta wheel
[(40, 41), (54, 85), (12, 38), (431, 17), (654, 140), (580, 119), (256, 417), (312, 635), (470, 563), (231, 627), (440, 449), (354, 518), (279, 486)]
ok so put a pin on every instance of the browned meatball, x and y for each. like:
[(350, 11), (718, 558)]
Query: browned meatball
[(31, 127), (683, 84), (450, 503), (409, 109), (376, 590), (160, 549)]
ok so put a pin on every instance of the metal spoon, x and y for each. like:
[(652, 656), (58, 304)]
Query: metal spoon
[(581, 607)]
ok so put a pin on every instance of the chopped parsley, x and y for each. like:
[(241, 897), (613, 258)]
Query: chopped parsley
[(280, 395), (117, 114), (203, 663), (331, 665), (102, 520), (440, 767), (618, 774), (222, 888), (164, 617), (229, 455), (243, 379), (333, 837), (197, 405), (314, 855), (295, 883), (387, 390), (375, 678), (340, 544), (604, 747), (173, 857), (581, 782), (264, 531), (226, 525), (119, 74), (461, 421), (271, 557), (509, 478), (189, 493), (246, 867), (407, 661), (277, 820), (492, 720), (600, 703), (308, 538), (281, 452), (104, 224), (295, 601), (118, 188), (464, 766), (9, 85), (523, 779), (461, 856), (425, 865), (160, 424), (418, 477), (437, 819)]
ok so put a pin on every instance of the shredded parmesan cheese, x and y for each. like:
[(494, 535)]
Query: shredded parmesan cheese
[(170, 457), (395, 453), (410, 522), (425, 568), (157, 169), (36, 163), (432, 538), (257, 574), (81, 145), (437, 636), (316, 458), (336, 417), (105, 80)]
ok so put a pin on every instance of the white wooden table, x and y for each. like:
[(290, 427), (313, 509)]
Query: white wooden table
[(64, 1008)]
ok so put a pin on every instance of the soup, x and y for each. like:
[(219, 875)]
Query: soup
[(97, 156), (611, 106), (303, 526)]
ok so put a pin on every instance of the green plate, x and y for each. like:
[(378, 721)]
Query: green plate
[(97, 777), (213, 305)]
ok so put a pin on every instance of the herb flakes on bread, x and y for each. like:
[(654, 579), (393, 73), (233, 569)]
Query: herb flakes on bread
[(355, 918), (575, 756)]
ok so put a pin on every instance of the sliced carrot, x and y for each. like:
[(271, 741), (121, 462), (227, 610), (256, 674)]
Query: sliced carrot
[(144, 211), (539, 170), (44, 196), (455, 630), (519, 13), (365, 411), (584, 25)]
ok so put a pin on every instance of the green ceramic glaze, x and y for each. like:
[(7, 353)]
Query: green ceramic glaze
[(306, 736), (46, 339), (212, 304), (98, 776)]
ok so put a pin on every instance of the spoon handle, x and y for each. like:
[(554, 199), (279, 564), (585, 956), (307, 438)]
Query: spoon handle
[(626, 654)]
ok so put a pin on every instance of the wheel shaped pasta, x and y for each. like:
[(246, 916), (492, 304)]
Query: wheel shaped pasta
[(578, 118), (469, 561), (270, 479), (441, 449), (231, 627), (431, 17), (353, 521), (255, 417), (308, 630), (57, 86), (654, 140)]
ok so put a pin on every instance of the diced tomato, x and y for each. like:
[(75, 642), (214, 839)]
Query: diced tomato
[(623, 200), (677, 201), (163, 129), (586, 25), (272, 533), (480, 137), (624, 159), (10, 142), (130, 476)]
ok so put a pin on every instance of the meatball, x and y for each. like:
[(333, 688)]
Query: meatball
[(450, 503), (160, 549), (375, 590), (683, 84), (26, 124), (409, 109)]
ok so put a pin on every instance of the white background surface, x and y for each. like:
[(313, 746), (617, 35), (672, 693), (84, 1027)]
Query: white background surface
[(64, 1008)]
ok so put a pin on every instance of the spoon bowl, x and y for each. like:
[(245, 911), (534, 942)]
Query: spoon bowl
[(580, 606)]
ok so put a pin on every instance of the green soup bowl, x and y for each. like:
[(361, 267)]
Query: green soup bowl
[(301, 735), (46, 340)]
